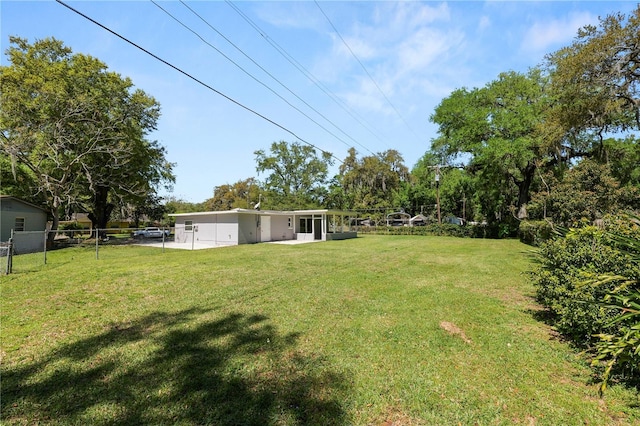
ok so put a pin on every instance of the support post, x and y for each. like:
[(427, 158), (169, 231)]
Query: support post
[(45, 246), (10, 255), (438, 193)]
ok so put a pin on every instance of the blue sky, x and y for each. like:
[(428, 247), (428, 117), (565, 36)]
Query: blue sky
[(410, 55)]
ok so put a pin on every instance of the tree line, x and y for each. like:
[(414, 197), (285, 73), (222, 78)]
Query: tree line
[(558, 142), (74, 135)]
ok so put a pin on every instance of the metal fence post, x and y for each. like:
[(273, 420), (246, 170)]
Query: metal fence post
[(46, 234), (10, 254), (97, 239)]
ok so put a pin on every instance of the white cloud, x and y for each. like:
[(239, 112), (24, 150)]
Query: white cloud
[(359, 46), (425, 47), (400, 47), (289, 15), (544, 35), (484, 23), (413, 15)]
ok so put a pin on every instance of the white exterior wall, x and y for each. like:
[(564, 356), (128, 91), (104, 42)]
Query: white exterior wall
[(280, 230), (181, 235), (247, 228), (210, 230), (227, 230), (205, 229), (178, 231)]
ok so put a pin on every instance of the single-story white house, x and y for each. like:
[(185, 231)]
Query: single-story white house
[(244, 226), (27, 221)]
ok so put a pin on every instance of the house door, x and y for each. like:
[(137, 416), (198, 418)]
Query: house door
[(317, 229), (265, 228)]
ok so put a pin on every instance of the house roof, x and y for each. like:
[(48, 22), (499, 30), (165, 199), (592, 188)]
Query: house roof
[(265, 212), (11, 197), (403, 214)]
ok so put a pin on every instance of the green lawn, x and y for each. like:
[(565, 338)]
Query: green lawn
[(377, 330)]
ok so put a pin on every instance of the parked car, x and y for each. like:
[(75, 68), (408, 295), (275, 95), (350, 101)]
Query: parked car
[(454, 220), (150, 232)]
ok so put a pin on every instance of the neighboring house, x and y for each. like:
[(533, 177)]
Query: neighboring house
[(82, 220), (243, 226), (418, 220), (23, 218), (398, 219)]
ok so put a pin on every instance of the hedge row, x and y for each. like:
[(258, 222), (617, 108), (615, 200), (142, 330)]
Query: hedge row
[(432, 229), (575, 281)]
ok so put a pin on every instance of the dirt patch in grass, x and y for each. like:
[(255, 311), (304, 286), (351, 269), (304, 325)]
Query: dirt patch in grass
[(396, 417), (454, 330)]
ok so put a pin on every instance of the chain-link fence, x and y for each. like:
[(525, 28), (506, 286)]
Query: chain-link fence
[(31, 250)]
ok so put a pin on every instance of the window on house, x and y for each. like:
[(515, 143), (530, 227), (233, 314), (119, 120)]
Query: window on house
[(188, 225), (289, 223), (305, 226), (19, 225)]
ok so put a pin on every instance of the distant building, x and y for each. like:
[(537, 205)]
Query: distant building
[(398, 219), (24, 219), (418, 220)]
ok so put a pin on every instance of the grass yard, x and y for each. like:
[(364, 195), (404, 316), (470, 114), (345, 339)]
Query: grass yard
[(377, 330)]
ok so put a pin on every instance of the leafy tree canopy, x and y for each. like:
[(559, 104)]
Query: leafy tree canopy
[(596, 80), (242, 194), (296, 175), (498, 127), (372, 183), (79, 129)]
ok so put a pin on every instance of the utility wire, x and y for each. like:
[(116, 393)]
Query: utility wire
[(361, 120), (196, 79), (266, 72), (248, 73), (366, 71)]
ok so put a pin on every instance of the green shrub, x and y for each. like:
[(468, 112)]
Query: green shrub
[(619, 353), (567, 285), (444, 229), (534, 232), (71, 226)]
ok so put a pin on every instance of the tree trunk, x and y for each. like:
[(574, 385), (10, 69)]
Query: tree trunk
[(524, 186), (101, 210), (55, 222)]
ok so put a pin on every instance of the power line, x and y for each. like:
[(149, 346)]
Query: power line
[(241, 105), (265, 71), (248, 73), (361, 120), (366, 71)]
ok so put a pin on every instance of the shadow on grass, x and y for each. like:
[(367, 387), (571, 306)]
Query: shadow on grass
[(182, 367)]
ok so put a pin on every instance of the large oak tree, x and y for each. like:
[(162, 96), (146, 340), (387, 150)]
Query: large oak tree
[(296, 175), (596, 79), (498, 128), (79, 129)]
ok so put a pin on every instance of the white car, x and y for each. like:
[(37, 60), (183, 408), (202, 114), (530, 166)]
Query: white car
[(151, 232)]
